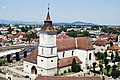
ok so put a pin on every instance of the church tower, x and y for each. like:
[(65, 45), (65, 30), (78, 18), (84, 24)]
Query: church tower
[(47, 50)]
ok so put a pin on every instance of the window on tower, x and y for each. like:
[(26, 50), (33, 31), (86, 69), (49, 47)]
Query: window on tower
[(51, 50), (42, 50)]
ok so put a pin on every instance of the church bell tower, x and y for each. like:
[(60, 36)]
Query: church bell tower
[(47, 50)]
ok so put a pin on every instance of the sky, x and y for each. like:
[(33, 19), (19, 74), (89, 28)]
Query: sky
[(93, 11)]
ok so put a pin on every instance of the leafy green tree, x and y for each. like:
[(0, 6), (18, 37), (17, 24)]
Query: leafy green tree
[(94, 65), (86, 33), (114, 61), (112, 56), (114, 67), (75, 66), (108, 68), (111, 43), (106, 62), (105, 54), (115, 74), (99, 55), (101, 67), (10, 30)]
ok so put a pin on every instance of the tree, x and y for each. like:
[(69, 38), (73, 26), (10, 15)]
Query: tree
[(86, 33), (75, 66), (114, 61), (111, 43), (108, 68), (106, 62), (116, 54), (105, 54), (115, 74), (112, 56), (94, 64), (9, 30), (99, 55), (114, 67), (101, 67)]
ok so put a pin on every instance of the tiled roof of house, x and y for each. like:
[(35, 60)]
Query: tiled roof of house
[(84, 43), (100, 42), (68, 61), (3, 40), (66, 78), (114, 47)]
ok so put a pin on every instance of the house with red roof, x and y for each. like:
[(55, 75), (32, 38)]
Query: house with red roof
[(54, 55)]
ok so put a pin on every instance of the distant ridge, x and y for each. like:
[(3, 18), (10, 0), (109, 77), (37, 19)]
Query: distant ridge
[(2, 21), (77, 23)]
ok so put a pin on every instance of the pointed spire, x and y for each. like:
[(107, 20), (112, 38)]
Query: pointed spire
[(48, 15)]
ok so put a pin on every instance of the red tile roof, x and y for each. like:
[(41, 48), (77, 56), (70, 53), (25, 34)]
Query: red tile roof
[(84, 43), (66, 78), (33, 56), (3, 40), (66, 44), (114, 47), (68, 61), (100, 42)]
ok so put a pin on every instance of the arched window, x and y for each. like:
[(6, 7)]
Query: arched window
[(90, 56), (63, 54), (33, 70), (72, 53)]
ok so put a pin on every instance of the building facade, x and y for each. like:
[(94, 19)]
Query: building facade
[(53, 55)]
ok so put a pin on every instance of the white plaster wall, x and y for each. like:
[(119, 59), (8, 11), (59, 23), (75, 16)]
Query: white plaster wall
[(50, 72), (82, 55), (46, 62), (61, 70), (27, 66), (67, 53)]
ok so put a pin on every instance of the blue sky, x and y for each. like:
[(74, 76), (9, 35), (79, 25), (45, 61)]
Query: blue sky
[(96, 11)]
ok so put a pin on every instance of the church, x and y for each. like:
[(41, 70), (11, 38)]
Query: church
[(54, 55)]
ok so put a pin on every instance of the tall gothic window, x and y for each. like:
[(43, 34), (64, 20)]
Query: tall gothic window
[(90, 56)]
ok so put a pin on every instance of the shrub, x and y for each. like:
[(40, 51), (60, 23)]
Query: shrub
[(61, 74), (69, 70), (65, 71)]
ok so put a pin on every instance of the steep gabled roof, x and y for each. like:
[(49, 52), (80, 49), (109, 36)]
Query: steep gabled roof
[(84, 43), (68, 61)]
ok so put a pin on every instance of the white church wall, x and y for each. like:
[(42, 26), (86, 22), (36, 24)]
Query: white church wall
[(47, 63), (82, 55), (50, 72), (61, 70), (27, 66), (67, 53)]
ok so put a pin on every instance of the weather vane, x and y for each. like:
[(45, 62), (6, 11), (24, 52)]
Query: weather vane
[(48, 6)]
